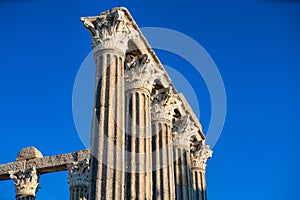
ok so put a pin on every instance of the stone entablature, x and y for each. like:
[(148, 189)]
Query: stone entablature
[(43, 165), (30, 165)]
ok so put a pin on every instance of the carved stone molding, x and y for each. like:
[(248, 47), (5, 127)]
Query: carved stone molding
[(164, 102), (26, 183), (199, 155), (79, 174), (110, 30), (184, 131)]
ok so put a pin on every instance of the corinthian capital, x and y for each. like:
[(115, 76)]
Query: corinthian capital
[(111, 29), (199, 155), (140, 72), (26, 183), (164, 103), (79, 174), (184, 131)]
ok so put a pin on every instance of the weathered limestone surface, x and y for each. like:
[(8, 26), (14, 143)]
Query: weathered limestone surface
[(146, 141), (43, 165), (110, 32), (79, 173), (184, 132), (26, 183), (199, 155), (164, 104), (138, 176), (30, 165), (117, 39), (111, 29), (29, 153)]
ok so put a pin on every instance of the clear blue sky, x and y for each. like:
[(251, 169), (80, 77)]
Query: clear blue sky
[(255, 44)]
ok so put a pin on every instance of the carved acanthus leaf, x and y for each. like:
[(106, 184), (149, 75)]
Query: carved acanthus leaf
[(110, 30), (200, 154), (26, 183), (184, 131), (79, 174), (164, 104), (140, 72)]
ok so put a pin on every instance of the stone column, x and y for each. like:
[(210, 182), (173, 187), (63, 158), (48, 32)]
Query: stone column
[(184, 132), (79, 180), (111, 32), (26, 184), (199, 156), (163, 105), (138, 128)]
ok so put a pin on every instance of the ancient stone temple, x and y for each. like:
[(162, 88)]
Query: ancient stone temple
[(146, 142)]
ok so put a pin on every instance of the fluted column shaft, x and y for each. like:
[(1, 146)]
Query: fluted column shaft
[(107, 138), (199, 184), (183, 174), (199, 156), (25, 198), (163, 174), (138, 144), (79, 193)]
